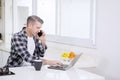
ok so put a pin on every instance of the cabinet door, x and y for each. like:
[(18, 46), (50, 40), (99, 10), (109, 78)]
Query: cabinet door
[(2, 19), (4, 56), (8, 20), (0, 59)]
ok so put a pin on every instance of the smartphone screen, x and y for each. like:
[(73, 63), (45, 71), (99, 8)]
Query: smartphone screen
[(40, 33)]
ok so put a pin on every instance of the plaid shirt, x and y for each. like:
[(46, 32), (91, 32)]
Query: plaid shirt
[(19, 51)]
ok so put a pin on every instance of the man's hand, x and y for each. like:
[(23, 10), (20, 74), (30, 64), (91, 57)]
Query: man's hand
[(43, 38), (52, 62)]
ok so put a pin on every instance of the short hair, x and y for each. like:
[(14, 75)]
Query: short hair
[(32, 19)]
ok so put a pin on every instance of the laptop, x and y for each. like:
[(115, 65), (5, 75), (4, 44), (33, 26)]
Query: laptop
[(66, 66)]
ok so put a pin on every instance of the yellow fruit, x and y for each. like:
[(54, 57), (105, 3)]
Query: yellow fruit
[(65, 55)]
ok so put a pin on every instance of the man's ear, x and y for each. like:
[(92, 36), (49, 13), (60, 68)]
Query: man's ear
[(30, 25)]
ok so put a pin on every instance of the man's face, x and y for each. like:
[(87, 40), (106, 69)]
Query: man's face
[(36, 28)]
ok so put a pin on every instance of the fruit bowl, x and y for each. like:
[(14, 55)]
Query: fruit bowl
[(68, 56)]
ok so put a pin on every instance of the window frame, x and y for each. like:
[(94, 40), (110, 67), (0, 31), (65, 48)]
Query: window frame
[(91, 42)]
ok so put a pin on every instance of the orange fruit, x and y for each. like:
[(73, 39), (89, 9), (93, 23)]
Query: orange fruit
[(72, 54)]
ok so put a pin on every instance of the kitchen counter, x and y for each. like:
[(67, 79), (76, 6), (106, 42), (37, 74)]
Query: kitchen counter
[(29, 73)]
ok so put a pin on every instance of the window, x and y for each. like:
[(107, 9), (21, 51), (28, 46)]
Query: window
[(46, 9), (68, 21)]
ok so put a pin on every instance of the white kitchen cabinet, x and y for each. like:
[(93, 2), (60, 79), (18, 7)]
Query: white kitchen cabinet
[(3, 57), (0, 59), (2, 19), (16, 13), (8, 20)]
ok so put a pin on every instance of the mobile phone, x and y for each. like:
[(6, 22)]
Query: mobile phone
[(40, 33)]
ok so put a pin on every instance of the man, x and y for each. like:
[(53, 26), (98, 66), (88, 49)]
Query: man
[(27, 46)]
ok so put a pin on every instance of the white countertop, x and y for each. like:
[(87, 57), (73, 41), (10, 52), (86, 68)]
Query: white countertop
[(29, 73)]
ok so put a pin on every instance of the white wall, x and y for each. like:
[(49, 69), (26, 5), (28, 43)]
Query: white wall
[(108, 40)]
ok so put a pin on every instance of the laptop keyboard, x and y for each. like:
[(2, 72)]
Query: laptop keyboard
[(58, 67)]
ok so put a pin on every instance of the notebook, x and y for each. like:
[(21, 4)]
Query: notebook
[(66, 66)]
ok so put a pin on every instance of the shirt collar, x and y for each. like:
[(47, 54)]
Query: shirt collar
[(23, 32)]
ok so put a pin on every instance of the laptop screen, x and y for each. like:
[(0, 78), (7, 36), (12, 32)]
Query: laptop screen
[(72, 63)]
